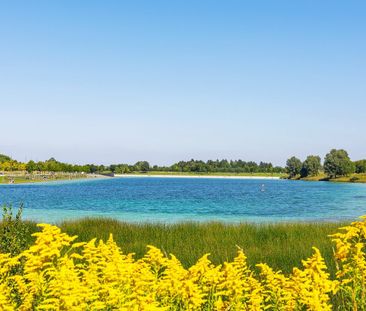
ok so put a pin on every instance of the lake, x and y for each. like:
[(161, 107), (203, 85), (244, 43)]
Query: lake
[(140, 199)]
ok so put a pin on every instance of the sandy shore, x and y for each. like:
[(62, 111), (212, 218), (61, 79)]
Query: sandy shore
[(197, 176)]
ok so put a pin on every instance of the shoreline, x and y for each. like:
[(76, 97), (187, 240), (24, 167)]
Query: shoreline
[(356, 178), (24, 179), (196, 176)]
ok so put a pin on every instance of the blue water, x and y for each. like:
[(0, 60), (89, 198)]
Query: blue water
[(177, 199)]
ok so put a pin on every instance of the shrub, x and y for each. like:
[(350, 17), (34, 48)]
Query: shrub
[(354, 179), (14, 233)]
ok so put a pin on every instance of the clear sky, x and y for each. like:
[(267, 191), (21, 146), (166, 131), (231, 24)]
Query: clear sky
[(122, 81)]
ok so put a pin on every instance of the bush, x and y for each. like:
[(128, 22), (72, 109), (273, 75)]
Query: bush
[(354, 179), (14, 232)]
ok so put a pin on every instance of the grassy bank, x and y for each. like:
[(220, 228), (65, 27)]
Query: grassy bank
[(355, 178), (24, 177), (282, 246), (5, 179)]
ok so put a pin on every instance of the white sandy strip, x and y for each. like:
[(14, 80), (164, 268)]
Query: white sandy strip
[(197, 176)]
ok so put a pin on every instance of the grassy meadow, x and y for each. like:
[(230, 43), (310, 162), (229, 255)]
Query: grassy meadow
[(282, 246)]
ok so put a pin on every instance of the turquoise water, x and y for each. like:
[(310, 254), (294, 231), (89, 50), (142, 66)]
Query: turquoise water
[(185, 199)]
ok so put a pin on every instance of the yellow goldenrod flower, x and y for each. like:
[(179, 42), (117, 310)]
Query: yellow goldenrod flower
[(57, 273)]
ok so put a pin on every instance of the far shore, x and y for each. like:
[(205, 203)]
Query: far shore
[(197, 176), (26, 178)]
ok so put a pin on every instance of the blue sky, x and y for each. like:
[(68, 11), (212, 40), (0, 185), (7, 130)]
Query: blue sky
[(122, 81)]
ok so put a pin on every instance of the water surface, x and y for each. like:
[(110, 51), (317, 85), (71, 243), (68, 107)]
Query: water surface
[(189, 199)]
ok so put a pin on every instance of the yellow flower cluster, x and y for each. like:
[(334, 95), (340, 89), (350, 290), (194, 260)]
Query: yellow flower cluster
[(351, 264), (57, 273), (12, 165)]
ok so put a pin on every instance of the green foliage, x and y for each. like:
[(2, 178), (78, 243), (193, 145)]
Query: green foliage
[(198, 166), (120, 169), (338, 163), (141, 166), (311, 166), (14, 234), (283, 246), (293, 167), (360, 166), (53, 165), (31, 166), (8, 164), (12, 165), (4, 158), (192, 166)]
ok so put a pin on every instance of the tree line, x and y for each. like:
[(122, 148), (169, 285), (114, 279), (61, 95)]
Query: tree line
[(336, 163), (220, 166), (194, 166), (7, 164)]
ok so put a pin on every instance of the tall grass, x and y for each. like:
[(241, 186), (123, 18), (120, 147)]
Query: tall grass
[(282, 246)]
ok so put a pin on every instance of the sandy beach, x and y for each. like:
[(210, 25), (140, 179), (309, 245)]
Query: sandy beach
[(196, 176)]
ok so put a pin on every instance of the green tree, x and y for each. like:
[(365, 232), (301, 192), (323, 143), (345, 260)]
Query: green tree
[(122, 169), (360, 166), (338, 163), (293, 166), (31, 166), (4, 158), (53, 165), (175, 167), (311, 166), (142, 166), (92, 168)]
